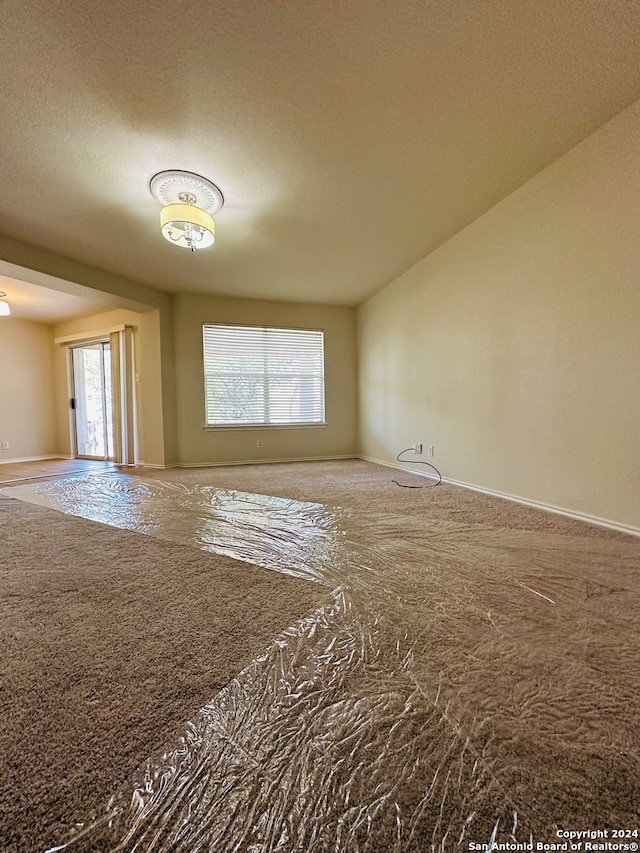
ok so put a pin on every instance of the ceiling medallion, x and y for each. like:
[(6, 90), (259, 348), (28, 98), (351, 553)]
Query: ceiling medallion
[(189, 203)]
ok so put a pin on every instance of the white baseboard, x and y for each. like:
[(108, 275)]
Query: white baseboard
[(141, 464), (262, 461), (33, 459), (557, 510)]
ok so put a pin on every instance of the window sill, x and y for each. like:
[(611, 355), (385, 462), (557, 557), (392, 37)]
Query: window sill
[(232, 428)]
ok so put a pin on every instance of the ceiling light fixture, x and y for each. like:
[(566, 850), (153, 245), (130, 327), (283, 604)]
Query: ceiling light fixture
[(5, 311), (189, 202)]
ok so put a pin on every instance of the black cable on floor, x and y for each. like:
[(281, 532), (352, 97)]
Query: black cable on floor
[(417, 462)]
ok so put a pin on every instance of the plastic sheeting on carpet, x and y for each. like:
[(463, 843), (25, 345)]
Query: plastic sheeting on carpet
[(468, 685)]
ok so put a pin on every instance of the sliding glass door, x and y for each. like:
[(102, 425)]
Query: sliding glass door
[(92, 401)]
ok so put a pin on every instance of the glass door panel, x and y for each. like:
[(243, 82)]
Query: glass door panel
[(92, 400)]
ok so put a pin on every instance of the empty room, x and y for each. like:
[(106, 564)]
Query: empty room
[(319, 418)]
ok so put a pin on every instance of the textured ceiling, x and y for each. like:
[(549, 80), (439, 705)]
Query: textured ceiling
[(349, 138)]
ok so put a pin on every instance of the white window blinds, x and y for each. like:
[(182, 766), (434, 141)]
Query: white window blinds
[(257, 376)]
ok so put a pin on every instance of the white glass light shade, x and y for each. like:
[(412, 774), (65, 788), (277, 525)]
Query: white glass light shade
[(4, 309), (188, 226)]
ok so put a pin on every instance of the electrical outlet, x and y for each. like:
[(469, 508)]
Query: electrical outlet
[(417, 449), (430, 450), (5, 445), (259, 443)]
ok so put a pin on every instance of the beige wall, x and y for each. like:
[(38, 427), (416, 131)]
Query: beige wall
[(198, 446), (515, 347), (155, 432), (27, 419), (148, 389)]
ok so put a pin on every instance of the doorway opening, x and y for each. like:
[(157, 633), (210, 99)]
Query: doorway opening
[(92, 400)]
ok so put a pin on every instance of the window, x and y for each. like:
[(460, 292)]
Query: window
[(256, 376)]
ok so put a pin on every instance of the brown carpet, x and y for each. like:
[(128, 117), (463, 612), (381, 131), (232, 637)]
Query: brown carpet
[(484, 671), (501, 665), (363, 486), (109, 642)]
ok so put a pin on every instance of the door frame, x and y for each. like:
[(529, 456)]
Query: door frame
[(121, 338)]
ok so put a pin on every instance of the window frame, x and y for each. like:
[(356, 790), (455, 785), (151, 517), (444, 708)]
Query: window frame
[(263, 426)]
